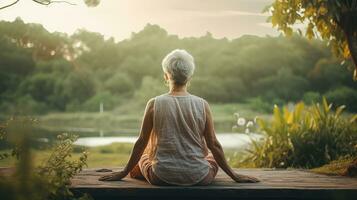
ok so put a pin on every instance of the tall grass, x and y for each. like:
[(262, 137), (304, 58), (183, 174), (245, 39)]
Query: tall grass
[(305, 137)]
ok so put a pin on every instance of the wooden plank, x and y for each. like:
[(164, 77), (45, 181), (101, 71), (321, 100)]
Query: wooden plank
[(275, 184)]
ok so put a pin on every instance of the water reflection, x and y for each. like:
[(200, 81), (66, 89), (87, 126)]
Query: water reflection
[(228, 140)]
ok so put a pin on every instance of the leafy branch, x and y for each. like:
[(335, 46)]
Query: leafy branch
[(11, 4), (90, 3)]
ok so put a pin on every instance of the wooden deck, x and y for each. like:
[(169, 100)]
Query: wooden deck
[(275, 184)]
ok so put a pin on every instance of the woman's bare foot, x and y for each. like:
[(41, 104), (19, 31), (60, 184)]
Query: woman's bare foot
[(136, 173)]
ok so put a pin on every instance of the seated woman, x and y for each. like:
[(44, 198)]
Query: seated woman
[(176, 135)]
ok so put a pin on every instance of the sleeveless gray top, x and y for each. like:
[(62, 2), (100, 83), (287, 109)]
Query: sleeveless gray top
[(179, 123)]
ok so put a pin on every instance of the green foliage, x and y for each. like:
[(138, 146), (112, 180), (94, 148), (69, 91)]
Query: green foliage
[(336, 167), (258, 104), (109, 101), (43, 72), (326, 73), (120, 84), (149, 88), (48, 181), (59, 169), (312, 97), (333, 21), (305, 137), (293, 86), (24, 105), (36, 39), (343, 96)]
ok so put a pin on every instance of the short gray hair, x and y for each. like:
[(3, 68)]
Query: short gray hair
[(180, 65)]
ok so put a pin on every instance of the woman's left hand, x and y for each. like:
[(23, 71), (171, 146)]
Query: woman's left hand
[(116, 176)]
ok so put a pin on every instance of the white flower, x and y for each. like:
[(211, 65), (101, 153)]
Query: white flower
[(250, 123), (241, 121)]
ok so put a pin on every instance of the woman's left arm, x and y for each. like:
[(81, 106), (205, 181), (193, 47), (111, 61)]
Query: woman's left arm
[(139, 146)]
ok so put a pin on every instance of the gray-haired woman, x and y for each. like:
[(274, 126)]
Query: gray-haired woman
[(176, 135)]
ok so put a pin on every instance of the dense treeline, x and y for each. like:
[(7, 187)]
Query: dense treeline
[(42, 71)]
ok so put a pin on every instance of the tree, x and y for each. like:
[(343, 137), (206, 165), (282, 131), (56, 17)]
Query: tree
[(89, 3), (334, 21), (36, 76), (43, 44)]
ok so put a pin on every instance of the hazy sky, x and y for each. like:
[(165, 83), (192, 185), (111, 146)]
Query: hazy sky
[(119, 18)]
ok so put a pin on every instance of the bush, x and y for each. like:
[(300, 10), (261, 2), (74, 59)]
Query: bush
[(48, 181), (120, 84), (149, 88), (92, 104), (305, 137), (225, 90), (259, 105), (24, 105), (311, 97), (342, 167), (343, 96)]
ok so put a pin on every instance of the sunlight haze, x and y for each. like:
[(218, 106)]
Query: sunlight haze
[(119, 18)]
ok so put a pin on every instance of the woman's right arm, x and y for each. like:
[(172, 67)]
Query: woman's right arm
[(217, 150)]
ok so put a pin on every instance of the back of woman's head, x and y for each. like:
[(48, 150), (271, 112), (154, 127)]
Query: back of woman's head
[(180, 65)]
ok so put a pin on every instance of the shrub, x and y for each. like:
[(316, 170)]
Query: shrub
[(305, 137), (120, 84), (259, 105), (48, 181), (92, 104), (60, 168), (311, 97), (342, 167), (149, 88), (343, 96), (24, 105)]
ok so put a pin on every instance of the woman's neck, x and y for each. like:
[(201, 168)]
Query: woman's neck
[(178, 90)]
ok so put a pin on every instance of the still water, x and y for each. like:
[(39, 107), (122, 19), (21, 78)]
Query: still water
[(228, 140)]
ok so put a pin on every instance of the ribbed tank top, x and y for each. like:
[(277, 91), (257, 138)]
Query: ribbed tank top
[(179, 123)]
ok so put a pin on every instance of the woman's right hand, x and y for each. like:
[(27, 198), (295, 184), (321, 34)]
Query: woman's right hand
[(115, 176), (239, 178)]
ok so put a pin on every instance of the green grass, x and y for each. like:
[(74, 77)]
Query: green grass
[(113, 155)]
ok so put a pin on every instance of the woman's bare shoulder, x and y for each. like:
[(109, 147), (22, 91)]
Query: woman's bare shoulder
[(150, 103)]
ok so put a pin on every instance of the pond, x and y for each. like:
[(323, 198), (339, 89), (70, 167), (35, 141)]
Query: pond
[(227, 140), (94, 137)]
